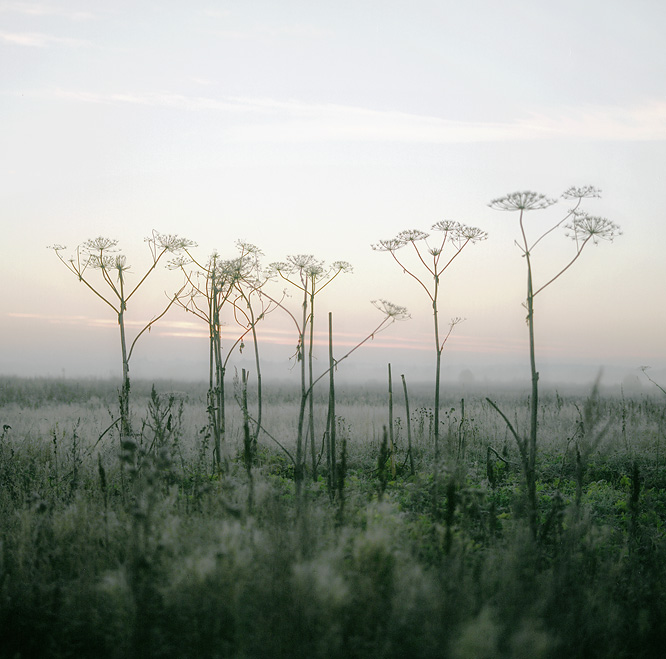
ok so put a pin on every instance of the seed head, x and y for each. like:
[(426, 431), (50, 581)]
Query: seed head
[(447, 226), (585, 227), (305, 263), (248, 248), (120, 263), (391, 310), (522, 201), (170, 242), (178, 262), (390, 245), (100, 244), (411, 236), (276, 267), (471, 234), (585, 192), (342, 266)]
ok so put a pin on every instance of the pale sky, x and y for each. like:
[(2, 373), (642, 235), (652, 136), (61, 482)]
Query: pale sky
[(323, 127)]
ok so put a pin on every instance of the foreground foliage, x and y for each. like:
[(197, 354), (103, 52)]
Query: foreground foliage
[(144, 549)]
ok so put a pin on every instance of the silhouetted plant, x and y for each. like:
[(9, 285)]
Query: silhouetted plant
[(431, 258), (310, 276), (582, 229), (101, 254), (212, 285), (391, 313)]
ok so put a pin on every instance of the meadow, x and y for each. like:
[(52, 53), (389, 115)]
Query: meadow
[(152, 548)]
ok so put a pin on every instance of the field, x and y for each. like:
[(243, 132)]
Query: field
[(146, 549)]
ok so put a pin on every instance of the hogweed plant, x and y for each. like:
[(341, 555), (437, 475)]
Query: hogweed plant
[(583, 229), (102, 255), (433, 259), (210, 287), (391, 313), (309, 276)]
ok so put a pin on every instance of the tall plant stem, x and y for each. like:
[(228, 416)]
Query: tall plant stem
[(311, 428), (390, 404), (409, 427), (438, 368), (530, 471), (125, 425), (300, 458), (249, 446), (257, 362), (331, 453)]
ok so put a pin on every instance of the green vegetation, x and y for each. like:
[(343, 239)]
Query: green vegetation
[(140, 546)]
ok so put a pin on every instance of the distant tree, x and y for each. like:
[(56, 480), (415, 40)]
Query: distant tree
[(102, 255)]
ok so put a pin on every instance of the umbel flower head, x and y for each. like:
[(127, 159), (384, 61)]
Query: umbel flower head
[(471, 234), (591, 227), (306, 263), (411, 236), (522, 201), (342, 266), (584, 192), (100, 244), (169, 241), (391, 310), (390, 245)]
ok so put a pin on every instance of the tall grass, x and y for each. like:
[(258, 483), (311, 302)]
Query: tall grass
[(148, 552)]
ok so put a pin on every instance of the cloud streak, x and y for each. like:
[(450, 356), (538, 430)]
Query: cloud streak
[(39, 9), (40, 40), (270, 120)]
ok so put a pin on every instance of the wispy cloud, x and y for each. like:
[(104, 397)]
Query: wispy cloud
[(41, 9), (40, 40), (273, 32), (270, 120)]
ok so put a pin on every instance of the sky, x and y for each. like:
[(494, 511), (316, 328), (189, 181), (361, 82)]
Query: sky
[(321, 128)]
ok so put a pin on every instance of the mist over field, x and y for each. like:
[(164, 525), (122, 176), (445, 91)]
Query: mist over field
[(332, 329)]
